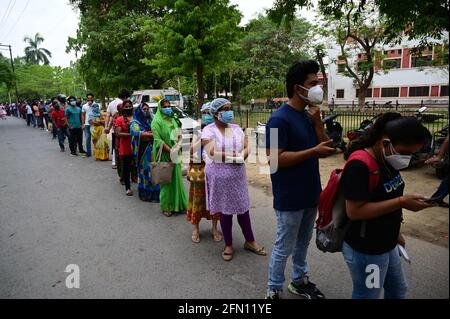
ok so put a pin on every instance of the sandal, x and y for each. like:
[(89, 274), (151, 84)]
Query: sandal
[(257, 250), (195, 237), (217, 236), (168, 214), (227, 256), (129, 192)]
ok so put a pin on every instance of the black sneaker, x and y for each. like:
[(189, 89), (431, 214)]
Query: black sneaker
[(273, 295), (306, 290)]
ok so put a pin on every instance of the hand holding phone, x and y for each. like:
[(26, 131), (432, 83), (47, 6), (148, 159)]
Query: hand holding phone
[(435, 200)]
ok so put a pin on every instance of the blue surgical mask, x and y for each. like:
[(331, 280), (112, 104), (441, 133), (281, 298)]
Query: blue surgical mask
[(73, 103), (226, 117), (167, 111), (207, 119)]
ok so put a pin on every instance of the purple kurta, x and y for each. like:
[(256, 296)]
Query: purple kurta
[(226, 184)]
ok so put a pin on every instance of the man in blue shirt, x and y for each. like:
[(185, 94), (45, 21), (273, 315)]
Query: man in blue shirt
[(73, 115), (295, 140)]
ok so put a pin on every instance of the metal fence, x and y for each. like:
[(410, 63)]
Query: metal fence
[(349, 120)]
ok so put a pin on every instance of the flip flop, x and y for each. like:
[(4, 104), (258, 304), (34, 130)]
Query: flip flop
[(259, 251), (227, 256), (195, 238), (217, 236)]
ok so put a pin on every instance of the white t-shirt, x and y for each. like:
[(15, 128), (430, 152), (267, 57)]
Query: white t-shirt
[(112, 107), (86, 109), (29, 110)]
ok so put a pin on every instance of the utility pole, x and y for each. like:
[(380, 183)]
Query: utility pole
[(14, 71)]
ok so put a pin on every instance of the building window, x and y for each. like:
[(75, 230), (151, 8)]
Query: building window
[(392, 63), (341, 68), (340, 94), (419, 91), (368, 92), (421, 61), (399, 51), (390, 92), (444, 90)]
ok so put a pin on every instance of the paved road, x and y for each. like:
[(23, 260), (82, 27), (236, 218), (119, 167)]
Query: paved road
[(57, 210)]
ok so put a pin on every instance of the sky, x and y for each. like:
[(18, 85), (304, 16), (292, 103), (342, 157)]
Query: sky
[(56, 21)]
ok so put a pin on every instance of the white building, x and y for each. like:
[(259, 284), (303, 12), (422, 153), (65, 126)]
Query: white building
[(410, 81)]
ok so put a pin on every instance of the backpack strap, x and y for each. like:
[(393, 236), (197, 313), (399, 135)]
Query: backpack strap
[(372, 165), (374, 175)]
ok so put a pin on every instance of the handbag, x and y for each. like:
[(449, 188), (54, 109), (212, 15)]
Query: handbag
[(161, 172)]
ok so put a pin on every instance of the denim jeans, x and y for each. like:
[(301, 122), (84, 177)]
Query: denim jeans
[(294, 232), (391, 275), (87, 136), (442, 190), (62, 133)]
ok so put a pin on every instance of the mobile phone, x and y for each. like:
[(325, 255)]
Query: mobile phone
[(435, 200), (403, 253)]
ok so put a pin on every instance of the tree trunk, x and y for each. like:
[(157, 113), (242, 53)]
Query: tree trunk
[(324, 75), (201, 86), (362, 98)]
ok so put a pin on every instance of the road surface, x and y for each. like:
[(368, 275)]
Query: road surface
[(57, 210)]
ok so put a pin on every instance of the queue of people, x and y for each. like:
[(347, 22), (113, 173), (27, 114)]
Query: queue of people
[(218, 190)]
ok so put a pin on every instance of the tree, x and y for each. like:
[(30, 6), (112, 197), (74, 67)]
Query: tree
[(359, 36), (416, 19), (193, 36), (33, 53), (268, 51), (110, 42), (6, 74)]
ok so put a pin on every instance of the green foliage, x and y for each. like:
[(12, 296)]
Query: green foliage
[(33, 53), (417, 19), (268, 52), (110, 42), (36, 82), (6, 74), (193, 36)]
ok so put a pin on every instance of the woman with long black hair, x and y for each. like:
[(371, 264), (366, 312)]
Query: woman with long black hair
[(376, 210)]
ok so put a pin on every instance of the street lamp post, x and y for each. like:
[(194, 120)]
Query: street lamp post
[(13, 69)]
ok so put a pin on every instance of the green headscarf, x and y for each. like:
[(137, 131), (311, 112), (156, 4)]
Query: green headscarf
[(164, 130)]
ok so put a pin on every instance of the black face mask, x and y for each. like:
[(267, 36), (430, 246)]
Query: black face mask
[(56, 107), (127, 111)]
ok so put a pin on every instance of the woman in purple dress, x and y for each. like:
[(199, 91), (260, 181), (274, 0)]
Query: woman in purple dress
[(226, 178)]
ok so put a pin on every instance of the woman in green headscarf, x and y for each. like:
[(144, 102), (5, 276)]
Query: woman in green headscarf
[(166, 128)]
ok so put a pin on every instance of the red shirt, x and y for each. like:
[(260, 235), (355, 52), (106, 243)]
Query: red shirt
[(59, 117), (124, 142)]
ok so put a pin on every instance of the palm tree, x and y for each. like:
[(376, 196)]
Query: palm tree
[(34, 54)]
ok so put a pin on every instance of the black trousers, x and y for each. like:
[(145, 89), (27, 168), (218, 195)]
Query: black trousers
[(29, 119), (76, 137), (126, 169)]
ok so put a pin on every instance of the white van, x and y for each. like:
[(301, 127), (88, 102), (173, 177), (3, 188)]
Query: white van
[(148, 96)]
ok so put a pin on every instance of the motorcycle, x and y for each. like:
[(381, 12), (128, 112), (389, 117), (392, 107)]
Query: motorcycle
[(334, 131), (421, 156), (438, 139), (365, 125)]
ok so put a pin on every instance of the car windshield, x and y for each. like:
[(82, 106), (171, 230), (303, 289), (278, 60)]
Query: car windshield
[(177, 111), (134, 98), (172, 97)]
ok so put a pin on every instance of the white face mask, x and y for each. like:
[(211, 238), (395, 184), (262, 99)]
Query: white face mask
[(397, 160), (315, 94)]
